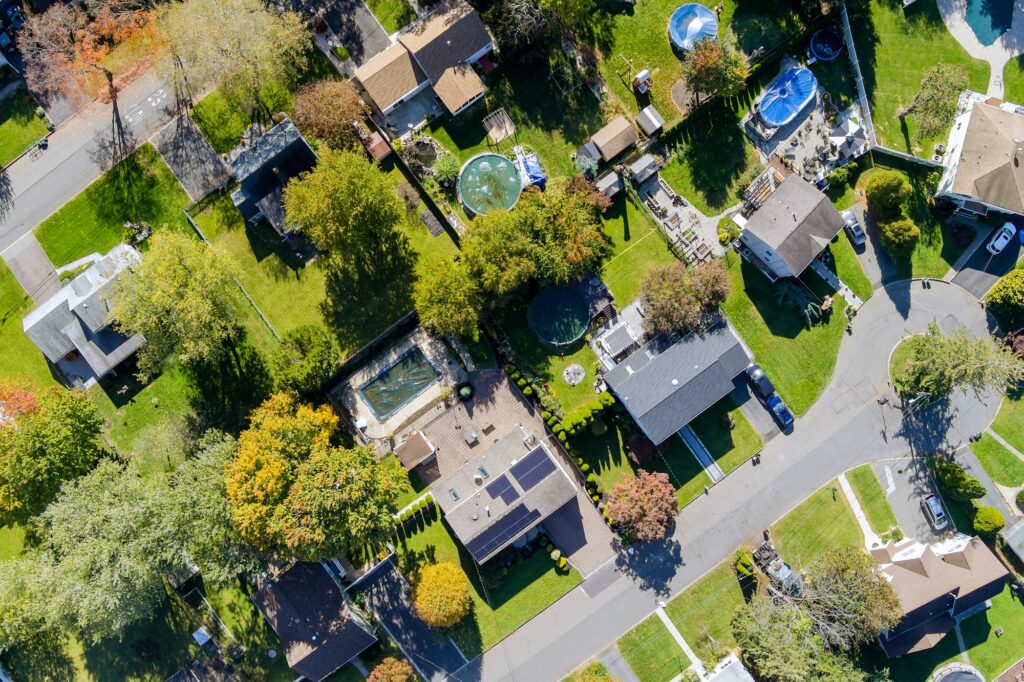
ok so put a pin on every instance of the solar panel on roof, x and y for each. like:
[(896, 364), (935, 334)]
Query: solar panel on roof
[(533, 468), (502, 488), (505, 529)]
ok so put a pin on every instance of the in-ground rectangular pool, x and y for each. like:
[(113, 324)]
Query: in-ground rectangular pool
[(401, 381)]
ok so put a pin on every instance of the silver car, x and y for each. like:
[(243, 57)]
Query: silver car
[(934, 511), (853, 228)]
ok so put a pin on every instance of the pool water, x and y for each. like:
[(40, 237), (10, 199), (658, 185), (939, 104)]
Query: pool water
[(390, 390), (989, 19), (489, 182)]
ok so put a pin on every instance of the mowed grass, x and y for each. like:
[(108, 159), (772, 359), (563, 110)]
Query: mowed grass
[(703, 611), (637, 247), (729, 447), (991, 654), (652, 652), (1013, 80), (140, 188), (1009, 423), (20, 360), (1003, 466), (392, 14), (872, 500), (593, 671), (895, 48), (507, 602), (799, 360), (822, 522), (848, 268), (19, 125)]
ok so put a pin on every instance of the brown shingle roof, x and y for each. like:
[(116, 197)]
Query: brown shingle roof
[(414, 450), (614, 138), (390, 75), (987, 169), (449, 36), (458, 86)]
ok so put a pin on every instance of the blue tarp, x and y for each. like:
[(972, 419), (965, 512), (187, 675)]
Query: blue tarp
[(690, 23), (533, 172), (787, 95)]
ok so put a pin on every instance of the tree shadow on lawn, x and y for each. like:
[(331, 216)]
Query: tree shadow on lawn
[(223, 392), (782, 320), (43, 658)]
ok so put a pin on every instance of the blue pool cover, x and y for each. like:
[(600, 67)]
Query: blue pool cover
[(787, 95), (690, 23), (534, 173)]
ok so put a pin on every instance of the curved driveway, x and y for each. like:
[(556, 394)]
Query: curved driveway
[(845, 427)]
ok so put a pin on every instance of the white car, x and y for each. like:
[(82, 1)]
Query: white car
[(853, 228), (1001, 238)]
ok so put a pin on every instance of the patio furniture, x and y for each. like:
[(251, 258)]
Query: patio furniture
[(470, 436)]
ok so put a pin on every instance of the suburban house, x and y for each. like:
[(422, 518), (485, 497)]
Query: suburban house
[(789, 228), (668, 382), (320, 630), (610, 141), (937, 585), (502, 493), (263, 169), (72, 328), (984, 159), (435, 55)]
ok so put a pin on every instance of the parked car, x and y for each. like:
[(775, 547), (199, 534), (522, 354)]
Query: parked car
[(853, 228), (1001, 238), (762, 384), (15, 16), (933, 509), (781, 412)]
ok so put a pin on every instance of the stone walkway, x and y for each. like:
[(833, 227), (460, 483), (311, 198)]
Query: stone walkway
[(1008, 46)]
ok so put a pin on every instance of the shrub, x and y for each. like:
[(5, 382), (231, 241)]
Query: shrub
[(988, 520), (563, 564), (521, 382), (585, 468), (840, 176), (900, 236), (528, 391), (886, 192), (562, 437), (591, 477), (446, 169), (556, 555), (509, 368), (441, 595), (606, 399), (960, 485), (545, 415), (1020, 500), (391, 669), (579, 461), (1007, 296), (744, 562)]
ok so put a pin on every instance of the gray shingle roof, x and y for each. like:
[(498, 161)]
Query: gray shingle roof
[(666, 384)]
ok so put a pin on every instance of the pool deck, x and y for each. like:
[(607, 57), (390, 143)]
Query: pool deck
[(450, 374), (1008, 46)]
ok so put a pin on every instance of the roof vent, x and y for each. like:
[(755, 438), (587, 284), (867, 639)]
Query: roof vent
[(474, 516), (675, 382), (454, 495), (488, 509), (478, 479)]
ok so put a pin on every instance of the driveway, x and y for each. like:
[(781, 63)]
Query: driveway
[(198, 168), (877, 264), (355, 27), (982, 270), (753, 409), (32, 268), (906, 482)]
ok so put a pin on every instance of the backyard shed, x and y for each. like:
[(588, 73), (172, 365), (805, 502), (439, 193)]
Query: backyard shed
[(609, 184), (650, 121), (643, 168), (614, 138)]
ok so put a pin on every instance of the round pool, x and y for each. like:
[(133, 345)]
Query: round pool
[(826, 45), (489, 182), (959, 676), (691, 23), (559, 316)]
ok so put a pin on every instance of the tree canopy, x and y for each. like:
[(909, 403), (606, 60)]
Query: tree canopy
[(900, 236), (441, 595), (643, 505), (712, 68), (1006, 298), (886, 192), (676, 297), (448, 299), (305, 360), (934, 105), (327, 110)]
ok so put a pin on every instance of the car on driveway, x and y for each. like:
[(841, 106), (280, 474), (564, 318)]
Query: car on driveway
[(1001, 238), (762, 384), (781, 412), (935, 512), (853, 228)]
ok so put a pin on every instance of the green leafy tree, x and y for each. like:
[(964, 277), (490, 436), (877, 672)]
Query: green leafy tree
[(777, 640), (55, 441), (446, 169), (447, 299), (500, 253), (329, 111), (900, 236), (988, 521), (24, 592), (712, 68), (934, 105), (181, 298), (1007, 298), (572, 14), (676, 297), (956, 482), (348, 207), (305, 360), (887, 191)]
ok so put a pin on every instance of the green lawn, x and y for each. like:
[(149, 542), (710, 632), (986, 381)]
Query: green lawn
[(1013, 80), (547, 123), (19, 125), (798, 360), (703, 612), (21, 360), (608, 458), (872, 499), (895, 47), (411, 486), (993, 655), (507, 602), (12, 542), (652, 652), (846, 266), (392, 14), (915, 667), (637, 246), (820, 523), (936, 251), (729, 447), (593, 671), (141, 189), (1009, 423), (1003, 466)]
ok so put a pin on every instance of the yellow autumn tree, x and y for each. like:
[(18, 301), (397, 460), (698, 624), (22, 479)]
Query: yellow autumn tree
[(441, 595)]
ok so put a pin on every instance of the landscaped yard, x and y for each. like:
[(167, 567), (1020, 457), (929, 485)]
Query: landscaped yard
[(637, 246), (703, 612), (652, 652), (19, 125), (1009, 423), (1003, 466), (799, 360), (992, 655), (872, 499), (529, 587), (822, 522), (895, 47), (729, 447), (392, 14), (140, 189), (21, 360), (846, 266), (1013, 80)]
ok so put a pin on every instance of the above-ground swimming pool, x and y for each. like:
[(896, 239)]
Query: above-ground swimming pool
[(691, 23), (959, 676), (989, 19), (826, 45), (400, 382), (559, 316), (787, 95), (489, 182)]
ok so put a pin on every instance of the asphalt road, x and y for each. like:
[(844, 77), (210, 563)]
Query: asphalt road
[(846, 427), (982, 270), (35, 186)]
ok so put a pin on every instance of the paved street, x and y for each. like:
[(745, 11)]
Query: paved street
[(845, 428), (78, 153)]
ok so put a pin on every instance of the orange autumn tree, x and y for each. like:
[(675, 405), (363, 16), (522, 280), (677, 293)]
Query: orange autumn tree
[(296, 495)]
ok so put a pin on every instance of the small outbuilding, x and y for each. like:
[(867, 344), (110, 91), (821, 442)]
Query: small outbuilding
[(609, 184), (610, 141), (650, 121), (643, 168)]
